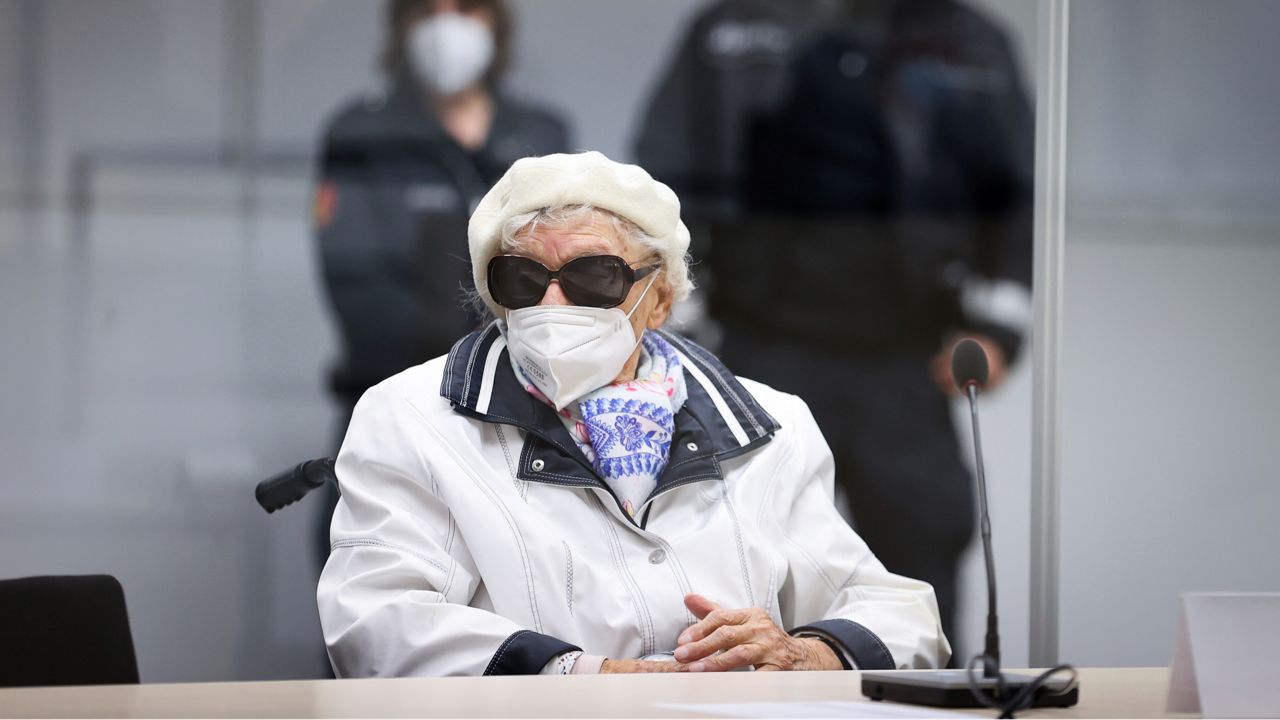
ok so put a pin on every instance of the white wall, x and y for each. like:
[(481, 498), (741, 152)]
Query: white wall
[(314, 54), (1172, 106), (1171, 401), (166, 353), (12, 124), (1171, 482)]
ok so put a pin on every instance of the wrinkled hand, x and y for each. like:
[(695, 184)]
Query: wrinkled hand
[(940, 365), (638, 666), (745, 637)]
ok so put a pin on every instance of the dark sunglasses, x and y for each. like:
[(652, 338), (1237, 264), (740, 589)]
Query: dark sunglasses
[(601, 281)]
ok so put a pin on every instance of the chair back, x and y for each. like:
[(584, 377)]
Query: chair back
[(65, 630)]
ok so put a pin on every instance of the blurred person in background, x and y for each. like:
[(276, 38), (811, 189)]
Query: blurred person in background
[(883, 207), (563, 493), (400, 171), (733, 62)]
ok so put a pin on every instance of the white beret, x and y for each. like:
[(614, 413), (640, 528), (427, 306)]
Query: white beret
[(587, 178)]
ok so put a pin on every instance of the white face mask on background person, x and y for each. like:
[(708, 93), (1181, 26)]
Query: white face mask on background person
[(449, 52), (569, 350)]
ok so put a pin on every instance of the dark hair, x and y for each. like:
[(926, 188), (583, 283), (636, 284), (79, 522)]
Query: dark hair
[(401, 13)]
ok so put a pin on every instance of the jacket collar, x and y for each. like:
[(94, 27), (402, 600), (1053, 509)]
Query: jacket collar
[(719, 420)]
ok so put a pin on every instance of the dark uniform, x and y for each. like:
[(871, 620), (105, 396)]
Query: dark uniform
[(885, 205), (391, 211), (395, 195), (734, 61)]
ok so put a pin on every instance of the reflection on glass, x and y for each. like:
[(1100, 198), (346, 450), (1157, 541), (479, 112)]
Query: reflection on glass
[(863, 173)]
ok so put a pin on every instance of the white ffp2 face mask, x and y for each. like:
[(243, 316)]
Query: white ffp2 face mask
[(449, 52), (568, 350)]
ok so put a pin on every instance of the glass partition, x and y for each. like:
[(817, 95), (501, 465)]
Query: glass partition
[(221, 221), (1169, 398)]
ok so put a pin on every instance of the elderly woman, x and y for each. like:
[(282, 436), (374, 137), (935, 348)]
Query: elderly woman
[(574, 490)]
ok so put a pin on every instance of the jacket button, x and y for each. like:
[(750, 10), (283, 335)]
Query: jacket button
[(657, 556), (693, 447), (537, 465)]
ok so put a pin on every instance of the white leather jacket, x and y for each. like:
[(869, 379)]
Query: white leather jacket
[(473, 538)]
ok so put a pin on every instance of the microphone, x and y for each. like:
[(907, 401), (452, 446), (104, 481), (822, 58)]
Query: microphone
[(959, 688), (969, 371), (969, 365)]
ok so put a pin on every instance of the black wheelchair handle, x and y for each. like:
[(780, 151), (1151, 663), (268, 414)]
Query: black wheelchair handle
[(292, 485)]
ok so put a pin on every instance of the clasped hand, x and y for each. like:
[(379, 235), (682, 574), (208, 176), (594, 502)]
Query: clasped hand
[(728, 639)]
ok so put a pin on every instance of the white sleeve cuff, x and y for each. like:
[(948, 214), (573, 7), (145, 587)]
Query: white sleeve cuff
[(561, 664), (588, 664)]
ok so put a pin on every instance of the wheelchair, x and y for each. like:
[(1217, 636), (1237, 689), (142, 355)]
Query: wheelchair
[(290, 486)]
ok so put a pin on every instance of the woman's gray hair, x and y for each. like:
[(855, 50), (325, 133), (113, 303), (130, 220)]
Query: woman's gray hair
[(519, 226)]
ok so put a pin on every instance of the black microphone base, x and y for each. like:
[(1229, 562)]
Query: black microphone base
[(950, 688)]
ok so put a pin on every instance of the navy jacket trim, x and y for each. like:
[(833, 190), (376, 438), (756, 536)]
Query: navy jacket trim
[(742, 405), (719, 420), (865, 647), (526, 652), (463, 372)]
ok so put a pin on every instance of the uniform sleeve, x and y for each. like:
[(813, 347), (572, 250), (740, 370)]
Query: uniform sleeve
[(349, 214), (394, 277), (394, 595), (836, 588), (997, 297)]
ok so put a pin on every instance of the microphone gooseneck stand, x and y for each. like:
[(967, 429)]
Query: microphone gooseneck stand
[(1004, 692), (1018, 695)]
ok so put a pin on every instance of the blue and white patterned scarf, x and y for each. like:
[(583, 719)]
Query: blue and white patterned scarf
[(625, 429)]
